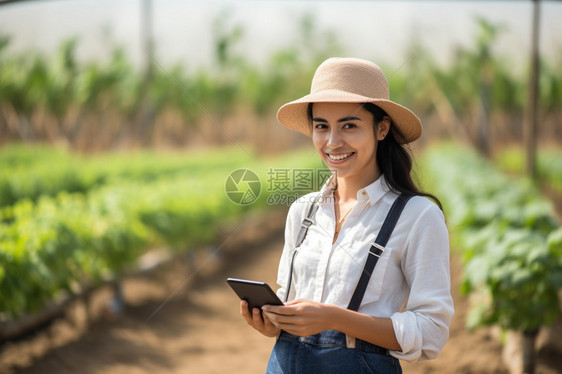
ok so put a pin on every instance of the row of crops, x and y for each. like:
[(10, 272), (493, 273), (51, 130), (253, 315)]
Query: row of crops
[(31, 172), (510, 237), (68, 223), (97, 105), (81, 103)]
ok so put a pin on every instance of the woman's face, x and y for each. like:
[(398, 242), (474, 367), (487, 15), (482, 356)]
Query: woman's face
[(344, 136)]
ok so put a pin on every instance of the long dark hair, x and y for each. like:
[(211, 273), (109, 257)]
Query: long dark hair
[(393, 156)]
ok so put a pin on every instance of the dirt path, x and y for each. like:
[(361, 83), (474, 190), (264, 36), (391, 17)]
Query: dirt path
[(199, 329)]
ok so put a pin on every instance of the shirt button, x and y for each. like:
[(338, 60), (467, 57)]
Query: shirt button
[(364, 192)]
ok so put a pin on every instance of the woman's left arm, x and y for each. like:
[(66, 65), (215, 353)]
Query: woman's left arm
[(423, 328)]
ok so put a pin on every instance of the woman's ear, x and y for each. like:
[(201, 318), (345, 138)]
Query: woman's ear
[(383, 128)]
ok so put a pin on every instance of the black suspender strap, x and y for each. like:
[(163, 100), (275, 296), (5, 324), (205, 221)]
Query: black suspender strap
[(306, 223), (288, 288), (377, 249)]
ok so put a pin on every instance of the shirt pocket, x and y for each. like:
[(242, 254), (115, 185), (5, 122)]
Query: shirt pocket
[(352, 269)]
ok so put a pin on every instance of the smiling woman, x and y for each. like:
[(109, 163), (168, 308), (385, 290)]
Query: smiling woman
[(365, 267)]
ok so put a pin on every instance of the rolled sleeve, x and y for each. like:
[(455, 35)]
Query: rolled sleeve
[(423, 328)]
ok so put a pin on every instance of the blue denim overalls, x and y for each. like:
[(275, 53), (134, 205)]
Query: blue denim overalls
[(330, 352)]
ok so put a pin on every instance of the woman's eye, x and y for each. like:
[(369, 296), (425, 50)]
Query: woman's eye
[(320, 126), (349, 126)]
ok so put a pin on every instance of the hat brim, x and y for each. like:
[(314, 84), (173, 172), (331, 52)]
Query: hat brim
[(294, 115)]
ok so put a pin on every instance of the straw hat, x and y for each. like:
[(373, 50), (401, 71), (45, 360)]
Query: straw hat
[(349, 80)]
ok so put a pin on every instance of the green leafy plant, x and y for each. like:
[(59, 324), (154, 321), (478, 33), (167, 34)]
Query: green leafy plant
[(61, 242), (510, 240)]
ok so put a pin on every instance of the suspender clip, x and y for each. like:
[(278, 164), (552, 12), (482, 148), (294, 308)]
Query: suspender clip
[(350, 342), (307, 222), (376, 249)]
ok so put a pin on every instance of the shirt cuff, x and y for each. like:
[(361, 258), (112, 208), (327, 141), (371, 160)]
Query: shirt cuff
[(408, 335)]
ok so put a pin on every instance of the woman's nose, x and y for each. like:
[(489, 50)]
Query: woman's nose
[(334, 139)]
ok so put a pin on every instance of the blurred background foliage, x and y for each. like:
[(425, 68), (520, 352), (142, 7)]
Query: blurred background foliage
[(70, 220), (96, 106)]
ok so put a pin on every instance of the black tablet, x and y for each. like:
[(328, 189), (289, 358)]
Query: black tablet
[(257, 294)]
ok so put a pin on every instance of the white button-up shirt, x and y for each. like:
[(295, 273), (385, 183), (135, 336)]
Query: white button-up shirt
[(411, 281)]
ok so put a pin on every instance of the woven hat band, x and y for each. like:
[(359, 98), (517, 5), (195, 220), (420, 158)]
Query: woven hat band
[(362, 79)]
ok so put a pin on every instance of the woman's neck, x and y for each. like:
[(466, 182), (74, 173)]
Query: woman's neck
[(347, 187)]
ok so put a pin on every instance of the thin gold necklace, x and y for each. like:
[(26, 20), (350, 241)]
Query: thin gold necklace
[(345, 216), (339, 224)]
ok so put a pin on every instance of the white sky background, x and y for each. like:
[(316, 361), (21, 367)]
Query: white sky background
[(377, 30)]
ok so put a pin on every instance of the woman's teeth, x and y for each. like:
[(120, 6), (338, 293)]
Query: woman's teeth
[(339, 157)]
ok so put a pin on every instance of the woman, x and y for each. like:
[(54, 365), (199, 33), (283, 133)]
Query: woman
[(344, 314)]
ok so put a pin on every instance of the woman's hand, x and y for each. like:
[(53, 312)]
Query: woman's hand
[(299, 317), (258, 320)]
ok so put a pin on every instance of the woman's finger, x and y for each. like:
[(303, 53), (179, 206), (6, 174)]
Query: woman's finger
[(257, 318), (279, 309), (245, 311), (269, 321), (277, 319), (244, 308)]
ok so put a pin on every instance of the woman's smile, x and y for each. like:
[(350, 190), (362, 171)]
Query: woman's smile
[(339, 157)]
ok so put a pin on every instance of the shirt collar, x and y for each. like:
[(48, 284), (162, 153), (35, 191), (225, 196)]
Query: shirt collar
[(374, 191), (327, 189), (371, 193)]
